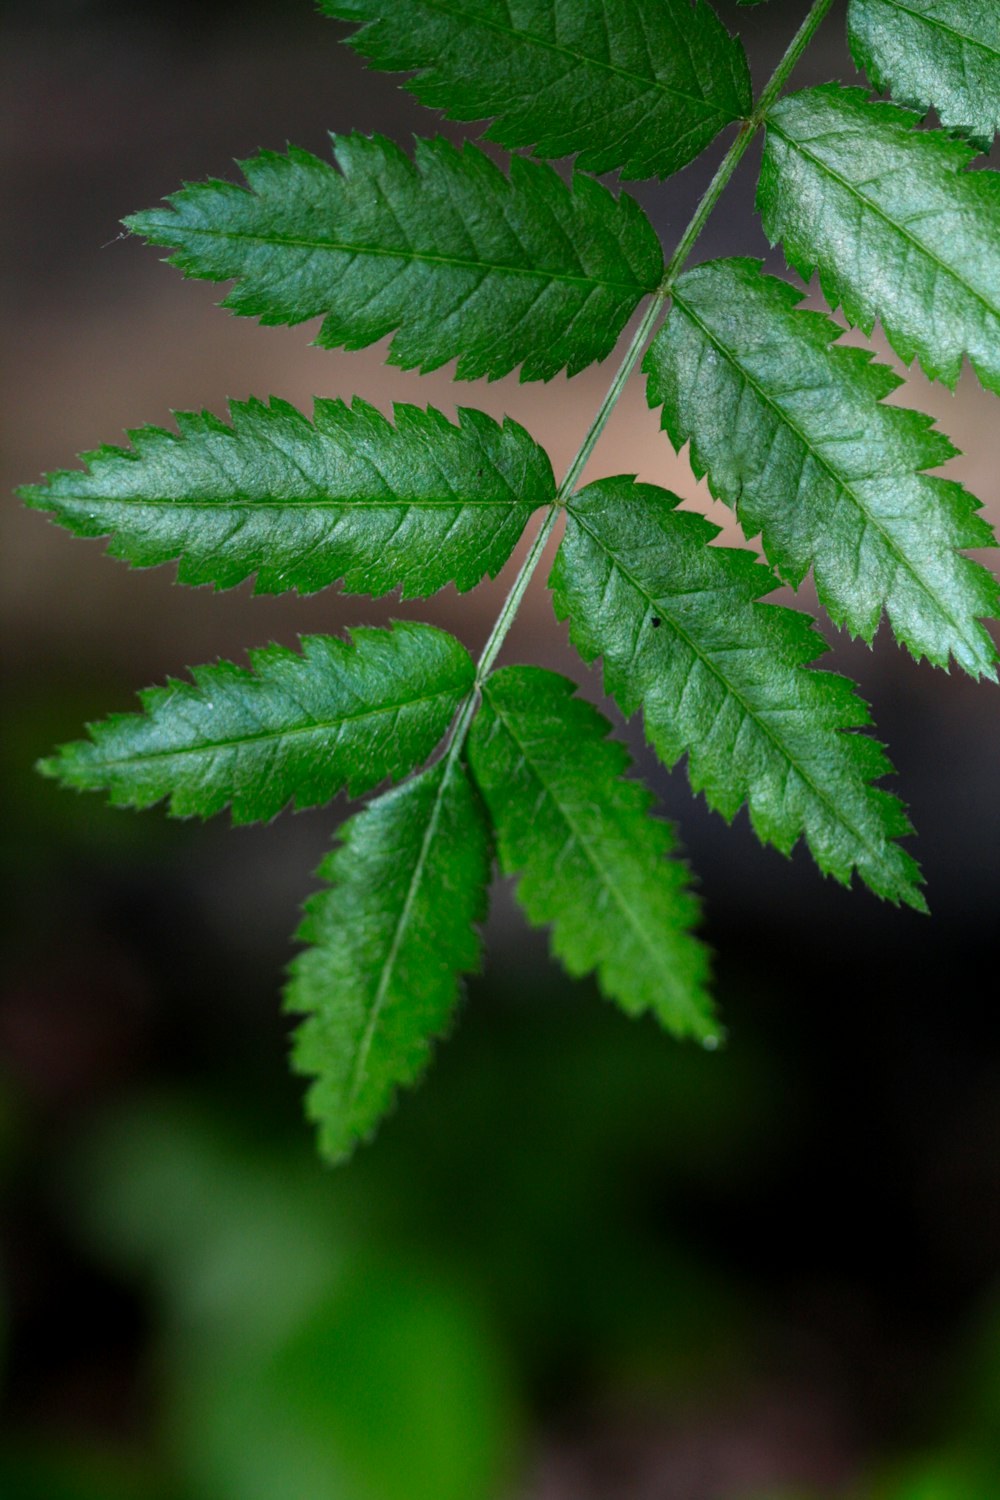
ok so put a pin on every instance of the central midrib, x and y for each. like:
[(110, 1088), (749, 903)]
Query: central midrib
[(324, 726), (581, 57), (399, 932), (880, 213), (838, 479), (584, 846), (427, 256), (935, 22), (655, 604), (320, 502)]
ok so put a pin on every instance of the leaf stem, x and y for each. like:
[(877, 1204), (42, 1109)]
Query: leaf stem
[(607, 406), (790, 57), (505, 619), (748, 129)]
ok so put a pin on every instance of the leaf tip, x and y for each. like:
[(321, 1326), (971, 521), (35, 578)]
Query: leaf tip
[(50, 766)]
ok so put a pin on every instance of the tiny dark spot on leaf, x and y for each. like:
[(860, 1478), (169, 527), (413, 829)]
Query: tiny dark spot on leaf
[(655, 621)]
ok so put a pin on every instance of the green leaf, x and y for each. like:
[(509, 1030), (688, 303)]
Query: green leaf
[(793, 433), (940, 53), (388, 941), (897, 227), (300, 505), (291, 729), (720, 677), (638, 88), (592, 860), (464, 261)]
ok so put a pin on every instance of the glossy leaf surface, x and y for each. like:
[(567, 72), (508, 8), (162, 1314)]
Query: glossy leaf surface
[(291, 729), (456, 257), (593, 862), (300, 504), (388, 941), (631, 87), (793, 432), (897, 227), (721, 678), (940, 53)]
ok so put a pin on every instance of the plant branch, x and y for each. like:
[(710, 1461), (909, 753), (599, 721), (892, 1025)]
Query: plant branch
[(748, 129)]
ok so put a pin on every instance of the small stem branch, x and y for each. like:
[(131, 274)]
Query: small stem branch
[(512, 603), (748, 129), (709, 199), (790, 57), (504, 621), (607, 406)]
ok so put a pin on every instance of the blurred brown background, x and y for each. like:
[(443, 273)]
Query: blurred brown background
[(767, 1272)]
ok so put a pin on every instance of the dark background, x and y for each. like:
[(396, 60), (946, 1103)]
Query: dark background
[(581, 1261)]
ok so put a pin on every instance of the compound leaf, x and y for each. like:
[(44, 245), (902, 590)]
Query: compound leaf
[(940, 53), (638, 88), (897, 227), (592, 860), (720, 677), (292, 728), (300, 505), (794, 434), (389, 939), (464, 261)]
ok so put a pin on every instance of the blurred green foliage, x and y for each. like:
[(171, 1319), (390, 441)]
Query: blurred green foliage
[(394, 1332), (521, 1242)]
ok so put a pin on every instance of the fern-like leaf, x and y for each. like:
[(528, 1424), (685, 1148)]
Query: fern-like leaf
[(300, 505), (638, 88), (794, 434), (592, 860), (944, 53), (720, 677), (388, 941), (292, 728), (464, 261), (897, 227)]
